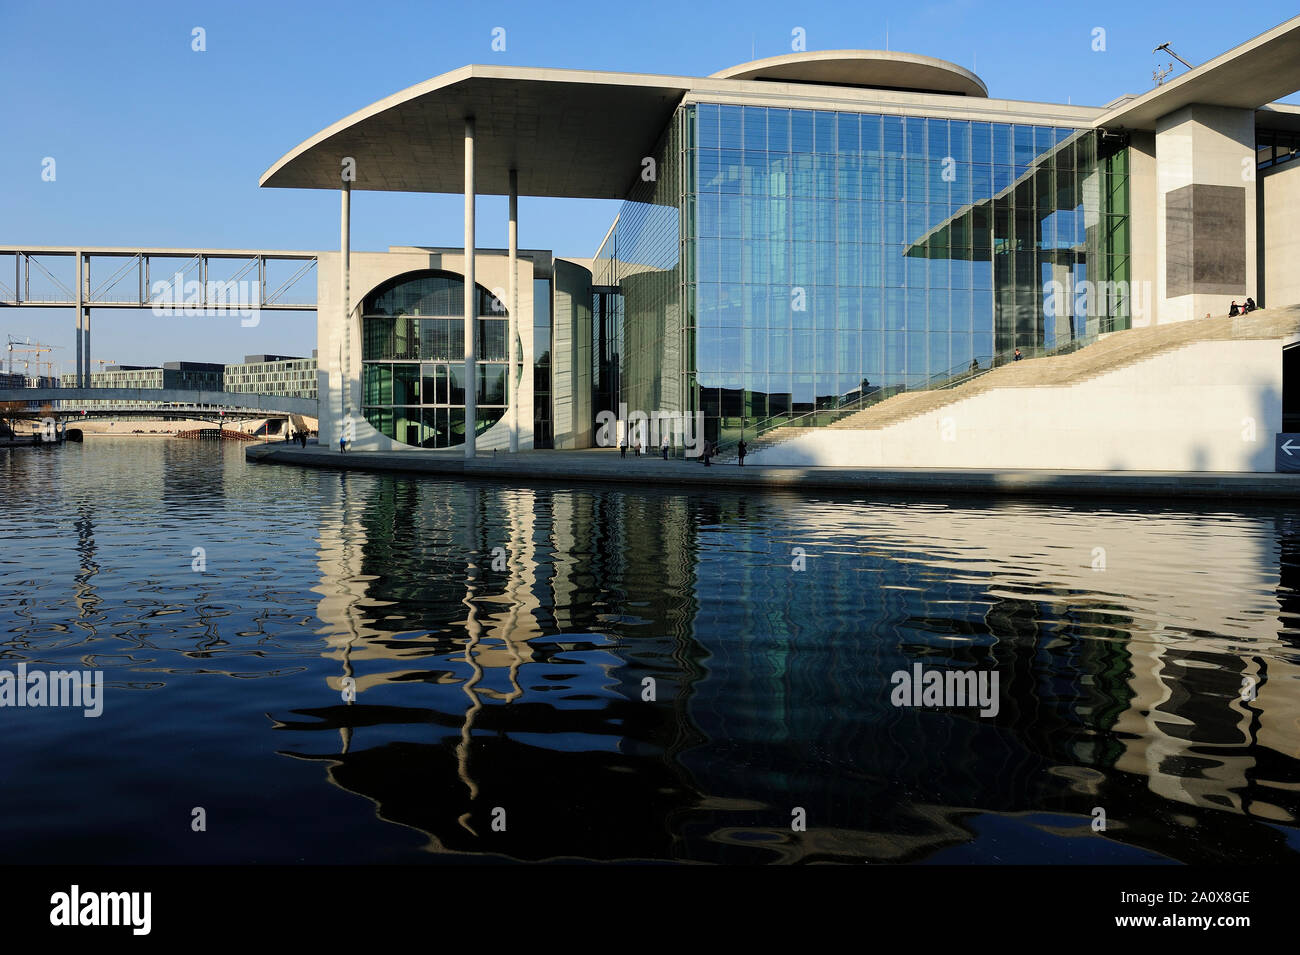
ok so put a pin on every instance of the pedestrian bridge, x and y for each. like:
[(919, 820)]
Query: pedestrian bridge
[(101, 401)]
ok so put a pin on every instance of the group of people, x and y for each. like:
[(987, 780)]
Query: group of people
[(707, 453), (1236, 309), (710, 450), (295, 437)]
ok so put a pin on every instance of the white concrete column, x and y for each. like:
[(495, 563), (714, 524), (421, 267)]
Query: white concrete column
[(1205, 214), (85, 331), (512, 396), (471, 309), (77, 379), (345, 256)]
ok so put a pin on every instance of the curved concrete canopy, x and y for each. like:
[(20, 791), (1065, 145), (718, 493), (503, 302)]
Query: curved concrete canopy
[(875, 69), (570, 133), (1249, 76)]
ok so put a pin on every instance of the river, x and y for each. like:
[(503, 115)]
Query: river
[(304, 666)]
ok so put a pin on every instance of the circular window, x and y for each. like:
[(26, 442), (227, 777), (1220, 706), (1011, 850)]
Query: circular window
[(413, 359)]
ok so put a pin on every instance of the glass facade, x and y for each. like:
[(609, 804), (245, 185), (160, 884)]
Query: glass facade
[(1274, 146), (543, 408), (639, 348), (413, 359), (822, 255)]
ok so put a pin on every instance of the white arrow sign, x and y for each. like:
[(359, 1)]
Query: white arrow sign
[(1288, 447)]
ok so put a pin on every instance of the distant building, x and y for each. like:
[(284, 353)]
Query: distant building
[(15, 380), (273, 375), (190, 375), (185, 375)]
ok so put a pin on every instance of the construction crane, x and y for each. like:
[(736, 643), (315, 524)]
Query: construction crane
[(28, 347)]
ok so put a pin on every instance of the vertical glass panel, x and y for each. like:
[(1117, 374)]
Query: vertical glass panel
[(914, 147), (801, 131), (491, 384), (981, 143), (869, 136), (1044, 139), (1002, 153), (492, 339), (937, 139), (892, 136), (429, 431), (455, 426), (846, 135), (1024, 145), (406, 384), (778, 130), (706, 118), (755, 129), (456, 378), (824, 132), (959, 141), (377, 384), (729, 127)]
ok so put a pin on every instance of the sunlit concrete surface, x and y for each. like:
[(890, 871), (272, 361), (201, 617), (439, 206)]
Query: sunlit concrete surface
[(605, 465)]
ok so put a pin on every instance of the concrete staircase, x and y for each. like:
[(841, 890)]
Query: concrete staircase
[(1112, 352)]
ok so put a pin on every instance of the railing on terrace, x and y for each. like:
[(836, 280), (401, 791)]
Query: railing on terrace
[(754, 433)]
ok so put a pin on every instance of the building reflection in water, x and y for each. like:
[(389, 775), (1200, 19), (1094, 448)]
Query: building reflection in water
[(1122, 638)]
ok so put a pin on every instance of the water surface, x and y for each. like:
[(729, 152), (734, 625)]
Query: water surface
[(500, 644)]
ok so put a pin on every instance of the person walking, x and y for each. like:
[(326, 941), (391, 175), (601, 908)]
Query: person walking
[(343, 441), (302, 439), (740, 452), (665, 449), (622, 449)]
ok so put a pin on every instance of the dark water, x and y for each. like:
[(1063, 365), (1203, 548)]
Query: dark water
[(515, 694)]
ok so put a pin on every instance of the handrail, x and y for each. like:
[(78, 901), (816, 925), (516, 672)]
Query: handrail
[(953, 377)]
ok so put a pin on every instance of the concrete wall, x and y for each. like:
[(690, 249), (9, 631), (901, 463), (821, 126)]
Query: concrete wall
[(1205, 211), (571, 357), (1142, 227), (1280, 235), (338, 375), (1209, 406)]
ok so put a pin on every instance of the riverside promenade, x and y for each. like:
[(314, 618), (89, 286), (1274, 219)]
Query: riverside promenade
[(603, 465)]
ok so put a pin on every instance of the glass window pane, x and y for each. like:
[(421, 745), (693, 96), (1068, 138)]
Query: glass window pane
[(406, 384), (491, 384), (456, 377)]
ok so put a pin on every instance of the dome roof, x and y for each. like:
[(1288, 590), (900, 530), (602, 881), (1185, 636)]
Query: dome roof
[(874, 69)]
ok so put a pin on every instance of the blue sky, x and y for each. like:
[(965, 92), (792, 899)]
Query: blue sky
[(158, 145)]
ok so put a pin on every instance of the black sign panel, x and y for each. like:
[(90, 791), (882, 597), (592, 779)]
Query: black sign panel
[(1287, 452)]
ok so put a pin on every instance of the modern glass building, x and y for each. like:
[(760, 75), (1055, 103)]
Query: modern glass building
[(792, 259), (801, 234), (273, 375)]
